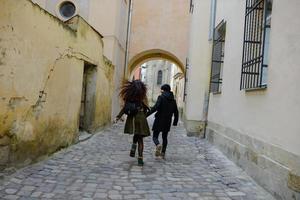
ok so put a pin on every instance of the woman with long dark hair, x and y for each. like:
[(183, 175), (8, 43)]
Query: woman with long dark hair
[(134, 96)]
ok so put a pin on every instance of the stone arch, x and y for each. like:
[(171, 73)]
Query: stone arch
[(153, 54)]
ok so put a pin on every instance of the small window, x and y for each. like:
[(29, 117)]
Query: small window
[(67, 9), (159, 77), (256, 44), (218, 58)]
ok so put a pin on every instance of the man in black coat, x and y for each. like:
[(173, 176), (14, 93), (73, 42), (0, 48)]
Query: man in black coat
[(165, 107)]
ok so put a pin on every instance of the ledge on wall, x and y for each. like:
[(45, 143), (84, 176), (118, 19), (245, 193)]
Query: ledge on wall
[(272, 167)]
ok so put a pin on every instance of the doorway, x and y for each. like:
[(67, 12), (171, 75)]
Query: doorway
[(88, 98)]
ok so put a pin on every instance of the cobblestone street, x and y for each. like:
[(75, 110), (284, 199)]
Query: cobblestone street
[(100, 168)]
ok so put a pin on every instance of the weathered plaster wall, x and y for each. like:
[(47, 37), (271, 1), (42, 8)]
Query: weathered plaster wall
[(105, 91), (41, 72), (41, 3), (108, 17)]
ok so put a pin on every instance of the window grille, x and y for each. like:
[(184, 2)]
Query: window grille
[(191, 6), (218, 58), (255, 48), (159, 77), (185, 78)]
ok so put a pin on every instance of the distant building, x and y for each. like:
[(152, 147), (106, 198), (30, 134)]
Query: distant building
[(158, 72)]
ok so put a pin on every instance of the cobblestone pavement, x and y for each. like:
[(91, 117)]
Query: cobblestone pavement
[(100, 168)]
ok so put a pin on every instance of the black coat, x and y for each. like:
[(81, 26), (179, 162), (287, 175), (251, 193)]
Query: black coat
[(165, 107)]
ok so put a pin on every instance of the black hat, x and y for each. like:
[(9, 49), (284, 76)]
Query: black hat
[(165, 88)]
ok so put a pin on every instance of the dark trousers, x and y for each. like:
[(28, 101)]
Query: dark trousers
[(164, 138), (137, 139)]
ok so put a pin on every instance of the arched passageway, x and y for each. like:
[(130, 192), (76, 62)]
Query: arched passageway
[(159, 33), (157, 67), (153, 54), (159, 29)]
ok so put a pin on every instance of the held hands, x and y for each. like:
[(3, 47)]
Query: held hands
[(117, 119)]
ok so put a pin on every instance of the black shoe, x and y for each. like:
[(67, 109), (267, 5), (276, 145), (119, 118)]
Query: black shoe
[(133, 150)]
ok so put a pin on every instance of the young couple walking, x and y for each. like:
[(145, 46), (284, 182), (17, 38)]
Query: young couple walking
[(134, 95)]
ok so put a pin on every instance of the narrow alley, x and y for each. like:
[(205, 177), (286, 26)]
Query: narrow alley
[(228, 70), (100, 168)]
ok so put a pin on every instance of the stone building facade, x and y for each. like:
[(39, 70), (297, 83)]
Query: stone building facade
[(156, 73), (178, 84), (242, 83), (54, 80)]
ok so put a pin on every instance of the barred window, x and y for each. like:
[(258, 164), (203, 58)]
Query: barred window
[(218, 58), (191, 6), (187, 64), (159, 77), (256, 44)]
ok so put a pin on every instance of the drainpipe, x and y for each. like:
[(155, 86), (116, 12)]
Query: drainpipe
[(211, 38), (130, 6), (213, 10)]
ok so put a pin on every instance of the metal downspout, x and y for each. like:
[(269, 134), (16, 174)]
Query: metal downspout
[(211, 37), (128, 36)]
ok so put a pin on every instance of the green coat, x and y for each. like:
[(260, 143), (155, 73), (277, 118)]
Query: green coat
[(137, 125)]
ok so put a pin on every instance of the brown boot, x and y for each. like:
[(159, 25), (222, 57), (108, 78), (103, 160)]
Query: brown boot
[(158, 150)]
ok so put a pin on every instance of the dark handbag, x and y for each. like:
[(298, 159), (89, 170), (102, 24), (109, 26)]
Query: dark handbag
[(130, 109)]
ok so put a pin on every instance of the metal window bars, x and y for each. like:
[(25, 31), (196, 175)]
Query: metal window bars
[(253, 65), (218, 58), (191, 6), (159, 77), (185, 78)]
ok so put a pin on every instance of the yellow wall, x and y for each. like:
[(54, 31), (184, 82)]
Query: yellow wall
[(41, 72), (108, 17)]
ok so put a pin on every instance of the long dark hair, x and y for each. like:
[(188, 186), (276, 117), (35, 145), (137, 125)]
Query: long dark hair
[(133, 91)]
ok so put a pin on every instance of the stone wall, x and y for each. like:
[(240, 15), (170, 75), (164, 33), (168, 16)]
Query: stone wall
[(41, 75), (274, 168)]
